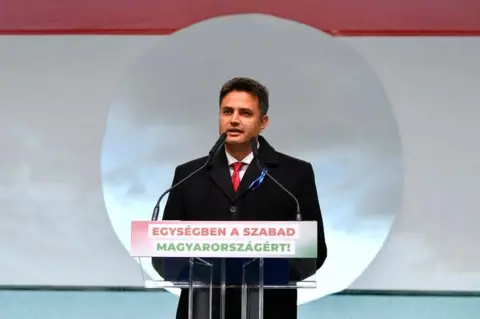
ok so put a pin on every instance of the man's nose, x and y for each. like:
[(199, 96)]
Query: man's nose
[(235, 118)]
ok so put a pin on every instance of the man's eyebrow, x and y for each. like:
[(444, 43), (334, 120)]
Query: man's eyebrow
[(240, 108)]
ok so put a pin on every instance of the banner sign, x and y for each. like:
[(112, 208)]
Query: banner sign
[(224, 239)]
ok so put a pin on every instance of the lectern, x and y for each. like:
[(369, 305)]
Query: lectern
[(207, 258)]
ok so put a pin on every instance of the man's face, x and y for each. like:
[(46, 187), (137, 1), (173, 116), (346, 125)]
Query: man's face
[(240, 117)]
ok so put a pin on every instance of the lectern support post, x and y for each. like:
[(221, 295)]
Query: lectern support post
[(200, 289), (253, 289), (223, 287)]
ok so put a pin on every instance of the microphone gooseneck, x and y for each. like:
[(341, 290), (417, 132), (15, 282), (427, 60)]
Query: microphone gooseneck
[(254, 146), (156, 209), (216, 147)]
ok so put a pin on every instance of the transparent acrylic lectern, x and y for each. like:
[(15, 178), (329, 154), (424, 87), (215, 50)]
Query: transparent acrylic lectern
[(209, 279)]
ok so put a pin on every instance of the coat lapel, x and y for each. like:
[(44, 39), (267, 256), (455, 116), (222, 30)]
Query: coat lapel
[(252, 173), (220, 174), (268, 158)]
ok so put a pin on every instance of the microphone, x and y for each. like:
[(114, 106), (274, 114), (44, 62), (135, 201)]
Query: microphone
[(216, 147), (254, 146)]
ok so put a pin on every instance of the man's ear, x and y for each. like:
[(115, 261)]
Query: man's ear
[(263, 123)]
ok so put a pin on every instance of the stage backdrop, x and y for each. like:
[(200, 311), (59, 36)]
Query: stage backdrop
[(93, 126)]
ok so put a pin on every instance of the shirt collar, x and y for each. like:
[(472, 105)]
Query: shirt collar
[(247, 160)]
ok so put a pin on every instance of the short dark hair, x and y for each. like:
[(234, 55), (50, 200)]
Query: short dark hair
[(248, 85)]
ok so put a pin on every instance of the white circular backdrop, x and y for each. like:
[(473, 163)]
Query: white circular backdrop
[(327, 107)]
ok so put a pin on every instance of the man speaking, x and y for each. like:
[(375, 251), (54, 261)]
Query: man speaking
[(228, 188)]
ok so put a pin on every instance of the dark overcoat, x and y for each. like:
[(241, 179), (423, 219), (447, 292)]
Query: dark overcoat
[(209, 196)]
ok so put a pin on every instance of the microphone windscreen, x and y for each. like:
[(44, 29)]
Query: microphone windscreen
[(254, 145)]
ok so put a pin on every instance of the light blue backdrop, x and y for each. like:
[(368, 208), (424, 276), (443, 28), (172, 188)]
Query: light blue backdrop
[(129, 305)]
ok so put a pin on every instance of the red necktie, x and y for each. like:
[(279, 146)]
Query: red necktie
[(236, 176)]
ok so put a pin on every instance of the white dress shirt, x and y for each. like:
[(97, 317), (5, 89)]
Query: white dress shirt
[(246, 161)]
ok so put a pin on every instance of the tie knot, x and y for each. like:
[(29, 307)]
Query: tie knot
[(237, 166)]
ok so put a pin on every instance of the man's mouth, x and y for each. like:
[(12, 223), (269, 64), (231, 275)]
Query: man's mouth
[(234, 132)]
